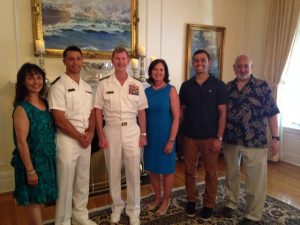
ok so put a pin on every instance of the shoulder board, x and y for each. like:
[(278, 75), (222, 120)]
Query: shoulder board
[(104, 78), (136, 78), (53, 82)]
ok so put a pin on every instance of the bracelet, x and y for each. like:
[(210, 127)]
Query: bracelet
[(30, 173), (172, 140), (144, 134)]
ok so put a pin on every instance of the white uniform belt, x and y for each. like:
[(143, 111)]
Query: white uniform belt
[(79, 129), (120, 123)]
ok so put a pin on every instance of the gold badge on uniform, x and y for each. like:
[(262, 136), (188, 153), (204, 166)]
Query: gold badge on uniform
[(133, 89)]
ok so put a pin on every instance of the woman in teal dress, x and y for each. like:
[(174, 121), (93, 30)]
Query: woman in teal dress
[(34, 137), (162, 126)]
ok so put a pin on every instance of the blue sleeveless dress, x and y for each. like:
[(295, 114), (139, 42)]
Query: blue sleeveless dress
[(159, 122), (41, 143)]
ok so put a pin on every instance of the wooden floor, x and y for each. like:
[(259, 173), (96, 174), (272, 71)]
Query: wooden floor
[(283, 184)]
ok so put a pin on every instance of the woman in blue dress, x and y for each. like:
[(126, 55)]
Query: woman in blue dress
[(34, 137), (162, 126)]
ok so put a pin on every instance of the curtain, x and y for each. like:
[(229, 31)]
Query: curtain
[(282, 23)]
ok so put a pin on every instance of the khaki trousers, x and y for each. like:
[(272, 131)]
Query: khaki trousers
[(123, 148), (192, 149), (255, 167)]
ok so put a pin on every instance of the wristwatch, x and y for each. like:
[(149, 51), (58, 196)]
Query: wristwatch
[(220, 138), (276, 138)]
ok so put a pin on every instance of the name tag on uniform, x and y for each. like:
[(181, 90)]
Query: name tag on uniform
[(109, 92), (72, 89), (133, 89)]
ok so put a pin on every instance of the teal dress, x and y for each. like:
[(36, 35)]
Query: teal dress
[(159, 123), (41, 142)]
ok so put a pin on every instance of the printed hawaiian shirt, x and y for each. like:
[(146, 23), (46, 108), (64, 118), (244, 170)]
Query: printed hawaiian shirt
[(248, 110)]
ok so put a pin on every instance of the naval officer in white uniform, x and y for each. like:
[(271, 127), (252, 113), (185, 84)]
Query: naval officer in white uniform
[(120, 101), (71, 103)]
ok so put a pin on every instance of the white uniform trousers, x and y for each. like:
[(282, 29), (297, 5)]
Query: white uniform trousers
[(73, 173), (123, 147), (255, 167)]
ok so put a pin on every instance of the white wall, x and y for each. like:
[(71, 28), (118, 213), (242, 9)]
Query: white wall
[(290, 146), (162, 30)]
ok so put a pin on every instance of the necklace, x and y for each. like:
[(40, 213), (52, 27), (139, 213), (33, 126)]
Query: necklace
[(159, 86)]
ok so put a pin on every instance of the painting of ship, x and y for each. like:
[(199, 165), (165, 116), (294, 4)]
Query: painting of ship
[(97, 25)]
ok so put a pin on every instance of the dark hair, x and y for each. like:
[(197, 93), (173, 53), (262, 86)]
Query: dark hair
[(72, 48), (24, 71), (150, 80), (199, 51), (119, 49)]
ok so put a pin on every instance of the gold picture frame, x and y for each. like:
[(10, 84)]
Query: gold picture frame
[(209, 38), (96, 26)]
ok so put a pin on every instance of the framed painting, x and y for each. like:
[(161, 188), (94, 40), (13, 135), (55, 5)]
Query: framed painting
[(209, 38), (96, 26)]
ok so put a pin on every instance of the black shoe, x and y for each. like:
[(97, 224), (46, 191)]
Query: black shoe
[(206, 213), (191, 209), (227, 212), (246, 221)]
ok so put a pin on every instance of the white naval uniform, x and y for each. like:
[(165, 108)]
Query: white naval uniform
[(120, 105), (73, 161)]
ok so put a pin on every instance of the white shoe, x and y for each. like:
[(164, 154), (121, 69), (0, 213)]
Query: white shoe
[(115, 216), (80, 221), (134, 220)]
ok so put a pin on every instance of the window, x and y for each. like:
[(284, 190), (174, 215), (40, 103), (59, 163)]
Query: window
[(289, 90)]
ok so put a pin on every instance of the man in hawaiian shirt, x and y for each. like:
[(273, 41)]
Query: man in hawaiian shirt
[(250, 106)]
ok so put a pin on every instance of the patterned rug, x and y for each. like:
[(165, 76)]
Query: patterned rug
[(275, 211)]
